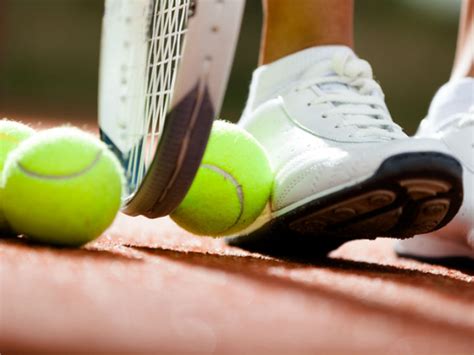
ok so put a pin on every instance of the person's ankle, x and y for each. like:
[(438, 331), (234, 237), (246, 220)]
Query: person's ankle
[(463, 69)]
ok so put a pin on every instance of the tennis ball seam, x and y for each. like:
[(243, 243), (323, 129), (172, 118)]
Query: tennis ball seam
[(33, 174), (238, 188)]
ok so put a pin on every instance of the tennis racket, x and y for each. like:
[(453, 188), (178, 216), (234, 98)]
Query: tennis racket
[(163, 74)]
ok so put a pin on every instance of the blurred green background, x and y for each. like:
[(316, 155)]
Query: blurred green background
[(49, 55)]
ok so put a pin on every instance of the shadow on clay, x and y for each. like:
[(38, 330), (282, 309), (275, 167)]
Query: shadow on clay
[(91, 250), (259, 267)]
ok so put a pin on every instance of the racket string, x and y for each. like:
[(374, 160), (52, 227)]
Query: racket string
[(165, 44)]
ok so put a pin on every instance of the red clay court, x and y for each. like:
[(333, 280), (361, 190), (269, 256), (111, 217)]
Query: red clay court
[(147, 286)]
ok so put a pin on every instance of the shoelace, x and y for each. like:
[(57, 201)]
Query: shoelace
[(359, 99), (460, 120), (466, 121)]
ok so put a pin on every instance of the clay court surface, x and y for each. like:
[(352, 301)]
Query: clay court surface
[(148, 286)]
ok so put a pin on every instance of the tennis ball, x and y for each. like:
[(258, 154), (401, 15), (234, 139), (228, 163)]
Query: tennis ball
[(11, 134), (232, 186), (62, 187)]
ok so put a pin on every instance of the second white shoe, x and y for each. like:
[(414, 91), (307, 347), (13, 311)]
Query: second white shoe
[(344, 170), (451, 121)]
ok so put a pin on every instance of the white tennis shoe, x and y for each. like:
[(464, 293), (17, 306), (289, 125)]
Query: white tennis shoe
[(343, 169), (450, 121)]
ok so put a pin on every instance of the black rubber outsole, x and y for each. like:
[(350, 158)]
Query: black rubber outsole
[(411, 193), (462, 263)]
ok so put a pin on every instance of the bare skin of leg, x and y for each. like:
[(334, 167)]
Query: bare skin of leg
[(464, 61), (291, 26)]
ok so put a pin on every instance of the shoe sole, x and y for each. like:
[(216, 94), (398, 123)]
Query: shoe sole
[(434, 248), (411, 193), (459, 260)]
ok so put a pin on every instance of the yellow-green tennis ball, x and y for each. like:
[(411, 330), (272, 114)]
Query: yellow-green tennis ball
[(232, 186), (11, 134), (62, 187)]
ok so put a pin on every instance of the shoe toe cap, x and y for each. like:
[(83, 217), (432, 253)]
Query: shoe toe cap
[(315, 172)]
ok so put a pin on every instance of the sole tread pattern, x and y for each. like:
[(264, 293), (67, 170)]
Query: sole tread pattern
[(410, 194)]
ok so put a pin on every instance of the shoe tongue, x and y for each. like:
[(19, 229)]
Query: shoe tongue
[(336, 88), (269, 80), (325, 69), (452, 98)]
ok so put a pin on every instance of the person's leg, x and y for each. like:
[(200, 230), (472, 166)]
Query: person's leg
[(291, 26), (464, 60), (451, 120)]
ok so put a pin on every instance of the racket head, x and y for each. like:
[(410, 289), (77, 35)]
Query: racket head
[(164, 70)]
